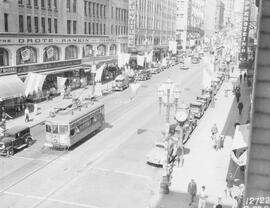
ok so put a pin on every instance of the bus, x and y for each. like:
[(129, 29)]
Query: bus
[(70, 126)]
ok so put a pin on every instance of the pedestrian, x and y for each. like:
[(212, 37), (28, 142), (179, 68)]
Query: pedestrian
[(240, 78), (230, 182), (202, 198), (26, 114), (192, 190), (232, 69), (35, 109), (218, 204), (214, 130), (240, 107), (245, 76), (237, 95), (235, 202)]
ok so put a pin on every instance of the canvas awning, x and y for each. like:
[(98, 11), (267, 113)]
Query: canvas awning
[(99, 73), (11, 86), (241, 137), (33, 83)]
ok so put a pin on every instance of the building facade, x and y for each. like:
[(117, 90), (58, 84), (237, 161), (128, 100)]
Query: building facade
[(210, 17), (190, 22), (219, 21), (151, 26), (228, 13), (51, 36)]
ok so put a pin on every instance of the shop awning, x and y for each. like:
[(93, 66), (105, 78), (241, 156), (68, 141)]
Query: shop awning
[(241, 137), (33, 83), (99, 73), (11, 86)]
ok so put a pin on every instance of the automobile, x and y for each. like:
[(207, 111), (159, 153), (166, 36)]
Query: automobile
[(121, 82), (205, 100), (157, 155), (15, 138), (195, 60), (208, 92), (201, 54), (184, 66), (197, 109), (154, 70), (143, 75)]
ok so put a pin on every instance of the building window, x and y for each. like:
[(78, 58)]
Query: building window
[(29, 24), (89, 28), (68, 5), (101, 11), (85, 8), (55, 26), (94, 28), (85, 27), (36, 3), (55, 4), (112, 29), (26, 55), (94, 9), (71, 52), (43, 4), (28, 2), (97, 28), (104, 29), (20, 2), (97, 10), (116, 32), (89, 8), (68, 26), (74, 5), (43, 26), (49, 25), (49, 4), (6, 22), (113, 49), (88, 51), (50, 53), (112, 13), (36, 24), (104, 11), (101, 29), (101, 50), (74, 27), (3, 57)]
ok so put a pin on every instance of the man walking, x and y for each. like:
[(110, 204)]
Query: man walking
[(240, 107), (202, 198), (192, 190), (214, 130), (237, 95), (240, 78), (26, 114)]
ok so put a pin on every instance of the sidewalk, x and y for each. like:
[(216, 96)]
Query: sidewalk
[(205, 165), (58, 101)]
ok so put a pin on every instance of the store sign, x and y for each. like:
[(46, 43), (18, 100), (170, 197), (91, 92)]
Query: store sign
[(132, 23), (38, 67), (34, 41), (245, 31)]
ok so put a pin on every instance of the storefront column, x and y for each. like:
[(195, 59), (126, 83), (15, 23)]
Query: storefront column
[(62, 55), (39, 55), (12, 57), (80, 52), (107, 50)]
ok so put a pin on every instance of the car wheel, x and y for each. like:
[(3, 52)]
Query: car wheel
[(29, 141), (10, 151)]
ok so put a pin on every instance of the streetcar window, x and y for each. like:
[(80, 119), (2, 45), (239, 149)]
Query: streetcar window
[(63, 129), (48, 128), (72, 132), (55, 129)]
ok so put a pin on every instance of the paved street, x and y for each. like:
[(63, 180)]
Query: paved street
[(107, 170)]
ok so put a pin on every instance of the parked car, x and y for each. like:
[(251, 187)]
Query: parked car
[(121, 82), (157, 155), (183, 66), (14, 139), (205, 100), (208, 92), (195, 60), (154, 70), (197, 109)]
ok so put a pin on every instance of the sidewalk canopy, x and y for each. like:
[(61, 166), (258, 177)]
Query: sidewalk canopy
[(241, 137), (33, 83), (11, 86)]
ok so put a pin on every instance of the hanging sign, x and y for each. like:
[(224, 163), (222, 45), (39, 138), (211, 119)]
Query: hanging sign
[(131, 23)]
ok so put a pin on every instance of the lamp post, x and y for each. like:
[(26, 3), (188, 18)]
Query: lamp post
[(168, 95)]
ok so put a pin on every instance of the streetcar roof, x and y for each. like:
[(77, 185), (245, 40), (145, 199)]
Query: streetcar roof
[(66, 116)]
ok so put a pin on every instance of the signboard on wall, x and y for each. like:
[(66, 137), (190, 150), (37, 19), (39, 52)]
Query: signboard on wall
[(245, 31), (132, 23)]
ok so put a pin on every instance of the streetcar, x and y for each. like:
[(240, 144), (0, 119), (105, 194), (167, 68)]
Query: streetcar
[(72, 125)]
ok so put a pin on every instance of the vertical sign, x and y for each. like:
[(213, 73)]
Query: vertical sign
[(245, 31), (132, 23)]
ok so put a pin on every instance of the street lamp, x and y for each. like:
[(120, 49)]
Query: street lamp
[(169, 95)]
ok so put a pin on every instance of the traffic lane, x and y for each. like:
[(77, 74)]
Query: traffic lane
[(125, 165)]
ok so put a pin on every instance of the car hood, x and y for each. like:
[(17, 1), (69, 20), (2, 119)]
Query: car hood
[(195, 110), (157, 154), (6, 139)]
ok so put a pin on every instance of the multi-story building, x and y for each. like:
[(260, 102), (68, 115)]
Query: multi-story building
[(151, 25), (219, 15), (210, 18), (229, 7), (190, 22), (53, 36)]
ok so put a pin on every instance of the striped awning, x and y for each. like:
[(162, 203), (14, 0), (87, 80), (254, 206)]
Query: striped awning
[(11, 86)]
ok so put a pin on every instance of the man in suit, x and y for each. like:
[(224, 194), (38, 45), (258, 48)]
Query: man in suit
[(192, 190)]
